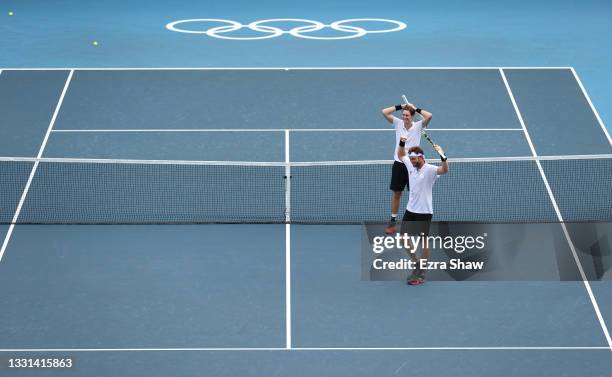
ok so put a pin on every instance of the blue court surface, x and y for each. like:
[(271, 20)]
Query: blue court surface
[(194, 208)]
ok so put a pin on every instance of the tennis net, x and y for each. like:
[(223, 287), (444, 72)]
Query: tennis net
[(93, 191)]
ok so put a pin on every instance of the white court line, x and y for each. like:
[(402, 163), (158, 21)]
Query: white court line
[(287, 177), (288, 286), (33, 172), (238, 349), (278, 129), (267, 68), (587, 285), (287, 243), (586, 95)]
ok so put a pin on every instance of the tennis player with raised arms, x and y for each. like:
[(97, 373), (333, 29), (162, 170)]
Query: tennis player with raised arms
[(419, 211), (410, 130)]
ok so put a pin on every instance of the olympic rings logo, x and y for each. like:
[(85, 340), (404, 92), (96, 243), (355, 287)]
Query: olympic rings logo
[(272, 31)]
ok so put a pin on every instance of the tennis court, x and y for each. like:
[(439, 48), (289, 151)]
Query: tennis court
[(274, 297), (183, 189)]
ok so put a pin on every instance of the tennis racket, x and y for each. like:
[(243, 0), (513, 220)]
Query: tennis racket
[(423, 131), (432, 144)]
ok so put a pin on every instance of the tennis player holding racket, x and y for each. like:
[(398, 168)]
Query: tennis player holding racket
[(419, 211), (410, 130)]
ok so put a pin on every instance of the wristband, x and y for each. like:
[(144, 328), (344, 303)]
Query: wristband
[(443, 158), (418, 110), (398, 107), (402, 143)]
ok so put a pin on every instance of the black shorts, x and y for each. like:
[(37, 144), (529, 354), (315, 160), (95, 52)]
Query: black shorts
[(416, 223), (399, 177)]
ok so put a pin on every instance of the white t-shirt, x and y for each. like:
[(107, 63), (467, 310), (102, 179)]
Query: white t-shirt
[(421, 185), (412, 135)]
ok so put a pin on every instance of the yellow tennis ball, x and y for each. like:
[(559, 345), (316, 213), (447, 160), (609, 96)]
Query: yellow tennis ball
[(94, 43), (10, 13)]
